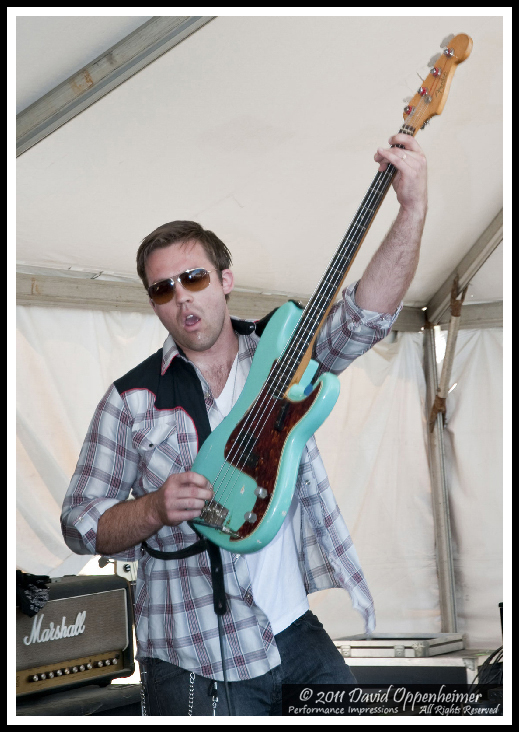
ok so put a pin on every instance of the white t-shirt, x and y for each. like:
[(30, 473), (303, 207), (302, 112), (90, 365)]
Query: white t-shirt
[(277, 585)]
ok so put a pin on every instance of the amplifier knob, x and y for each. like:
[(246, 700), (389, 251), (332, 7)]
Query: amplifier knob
[(59, 672), (74, 669), (107, 662), (81, 668), (50, 675), (89, 666), (43, 677), (114, 661), (66, 671), (99, 664), (34, 678)]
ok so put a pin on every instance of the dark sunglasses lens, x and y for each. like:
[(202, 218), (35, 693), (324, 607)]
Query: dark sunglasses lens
[(162, 292), (197, 279)]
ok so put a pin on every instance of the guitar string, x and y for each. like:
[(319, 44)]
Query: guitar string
[(378, 191), (375, 191), (285, 363)]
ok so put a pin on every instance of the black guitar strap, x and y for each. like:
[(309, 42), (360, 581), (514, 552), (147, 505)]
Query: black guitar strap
[(215, 561)]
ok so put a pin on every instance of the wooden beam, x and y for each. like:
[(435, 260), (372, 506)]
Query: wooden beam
[(96, 294), (107, 71), (439, 493), (77, 292), (71, 289), (478, 315), (466, 269)]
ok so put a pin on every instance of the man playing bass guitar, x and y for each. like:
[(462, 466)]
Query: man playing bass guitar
[(144, 437)]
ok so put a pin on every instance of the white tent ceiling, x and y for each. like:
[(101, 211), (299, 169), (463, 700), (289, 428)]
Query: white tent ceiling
[(264, 130)]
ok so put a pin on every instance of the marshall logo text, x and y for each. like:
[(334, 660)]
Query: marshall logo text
[(54, 632)]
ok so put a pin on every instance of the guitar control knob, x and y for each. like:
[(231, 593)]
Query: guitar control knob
[(261, 492), (250, 517)]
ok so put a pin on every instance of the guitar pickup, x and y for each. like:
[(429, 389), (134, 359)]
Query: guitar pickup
[(240, 453), (251, 461), (280, 419)]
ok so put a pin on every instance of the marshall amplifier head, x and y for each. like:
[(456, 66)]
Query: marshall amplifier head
[(83, 635)]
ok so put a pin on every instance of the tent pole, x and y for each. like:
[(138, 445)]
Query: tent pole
[(440, 498)]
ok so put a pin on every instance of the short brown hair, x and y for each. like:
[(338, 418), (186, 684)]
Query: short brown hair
[(178, 232)]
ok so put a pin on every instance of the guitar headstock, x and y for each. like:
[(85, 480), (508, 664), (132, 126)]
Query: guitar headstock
[(430, 98)]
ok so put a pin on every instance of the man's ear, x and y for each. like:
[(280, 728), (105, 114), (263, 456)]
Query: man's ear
[(227, 281)]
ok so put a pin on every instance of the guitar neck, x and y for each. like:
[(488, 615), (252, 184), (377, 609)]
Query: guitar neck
[(298, 352)]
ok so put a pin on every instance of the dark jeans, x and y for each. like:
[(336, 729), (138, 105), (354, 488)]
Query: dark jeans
[(308, 655)]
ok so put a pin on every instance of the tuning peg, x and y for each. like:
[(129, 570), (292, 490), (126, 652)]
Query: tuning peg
[(446, 41), (433, 59)]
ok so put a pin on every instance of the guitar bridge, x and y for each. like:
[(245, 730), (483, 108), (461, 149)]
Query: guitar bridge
[(213, 516), (223, 529), (214, 513)]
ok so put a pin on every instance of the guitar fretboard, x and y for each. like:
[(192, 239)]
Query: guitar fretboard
[(328, 288)]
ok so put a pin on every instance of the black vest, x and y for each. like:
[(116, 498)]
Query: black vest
[(181, 387)]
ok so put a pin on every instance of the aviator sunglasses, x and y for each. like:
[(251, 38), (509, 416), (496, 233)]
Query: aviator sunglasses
[(192, 280)]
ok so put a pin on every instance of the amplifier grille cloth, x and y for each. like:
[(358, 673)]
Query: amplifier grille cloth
[(105, 627)]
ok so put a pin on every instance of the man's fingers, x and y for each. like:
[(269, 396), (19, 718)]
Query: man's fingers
[(409, 152), (408, 141), (190, 504), (180, 486)]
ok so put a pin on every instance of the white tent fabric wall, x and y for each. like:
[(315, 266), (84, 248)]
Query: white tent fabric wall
[(375, 448), (474, 458), (66, 359), (374, 445)]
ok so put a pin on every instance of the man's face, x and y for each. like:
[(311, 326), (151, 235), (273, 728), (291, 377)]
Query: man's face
[(194, 319)]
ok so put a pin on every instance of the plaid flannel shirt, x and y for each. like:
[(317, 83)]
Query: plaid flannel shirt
[(131, 448)]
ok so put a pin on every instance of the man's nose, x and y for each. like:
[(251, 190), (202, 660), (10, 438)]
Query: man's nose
[(182, 295)]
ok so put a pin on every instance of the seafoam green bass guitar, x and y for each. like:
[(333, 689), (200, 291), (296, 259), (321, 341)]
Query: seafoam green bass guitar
[(252, 457)]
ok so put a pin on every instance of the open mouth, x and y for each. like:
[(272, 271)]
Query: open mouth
[(190, 321)]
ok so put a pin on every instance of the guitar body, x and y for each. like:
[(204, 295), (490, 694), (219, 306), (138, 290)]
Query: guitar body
[(241, 455)]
